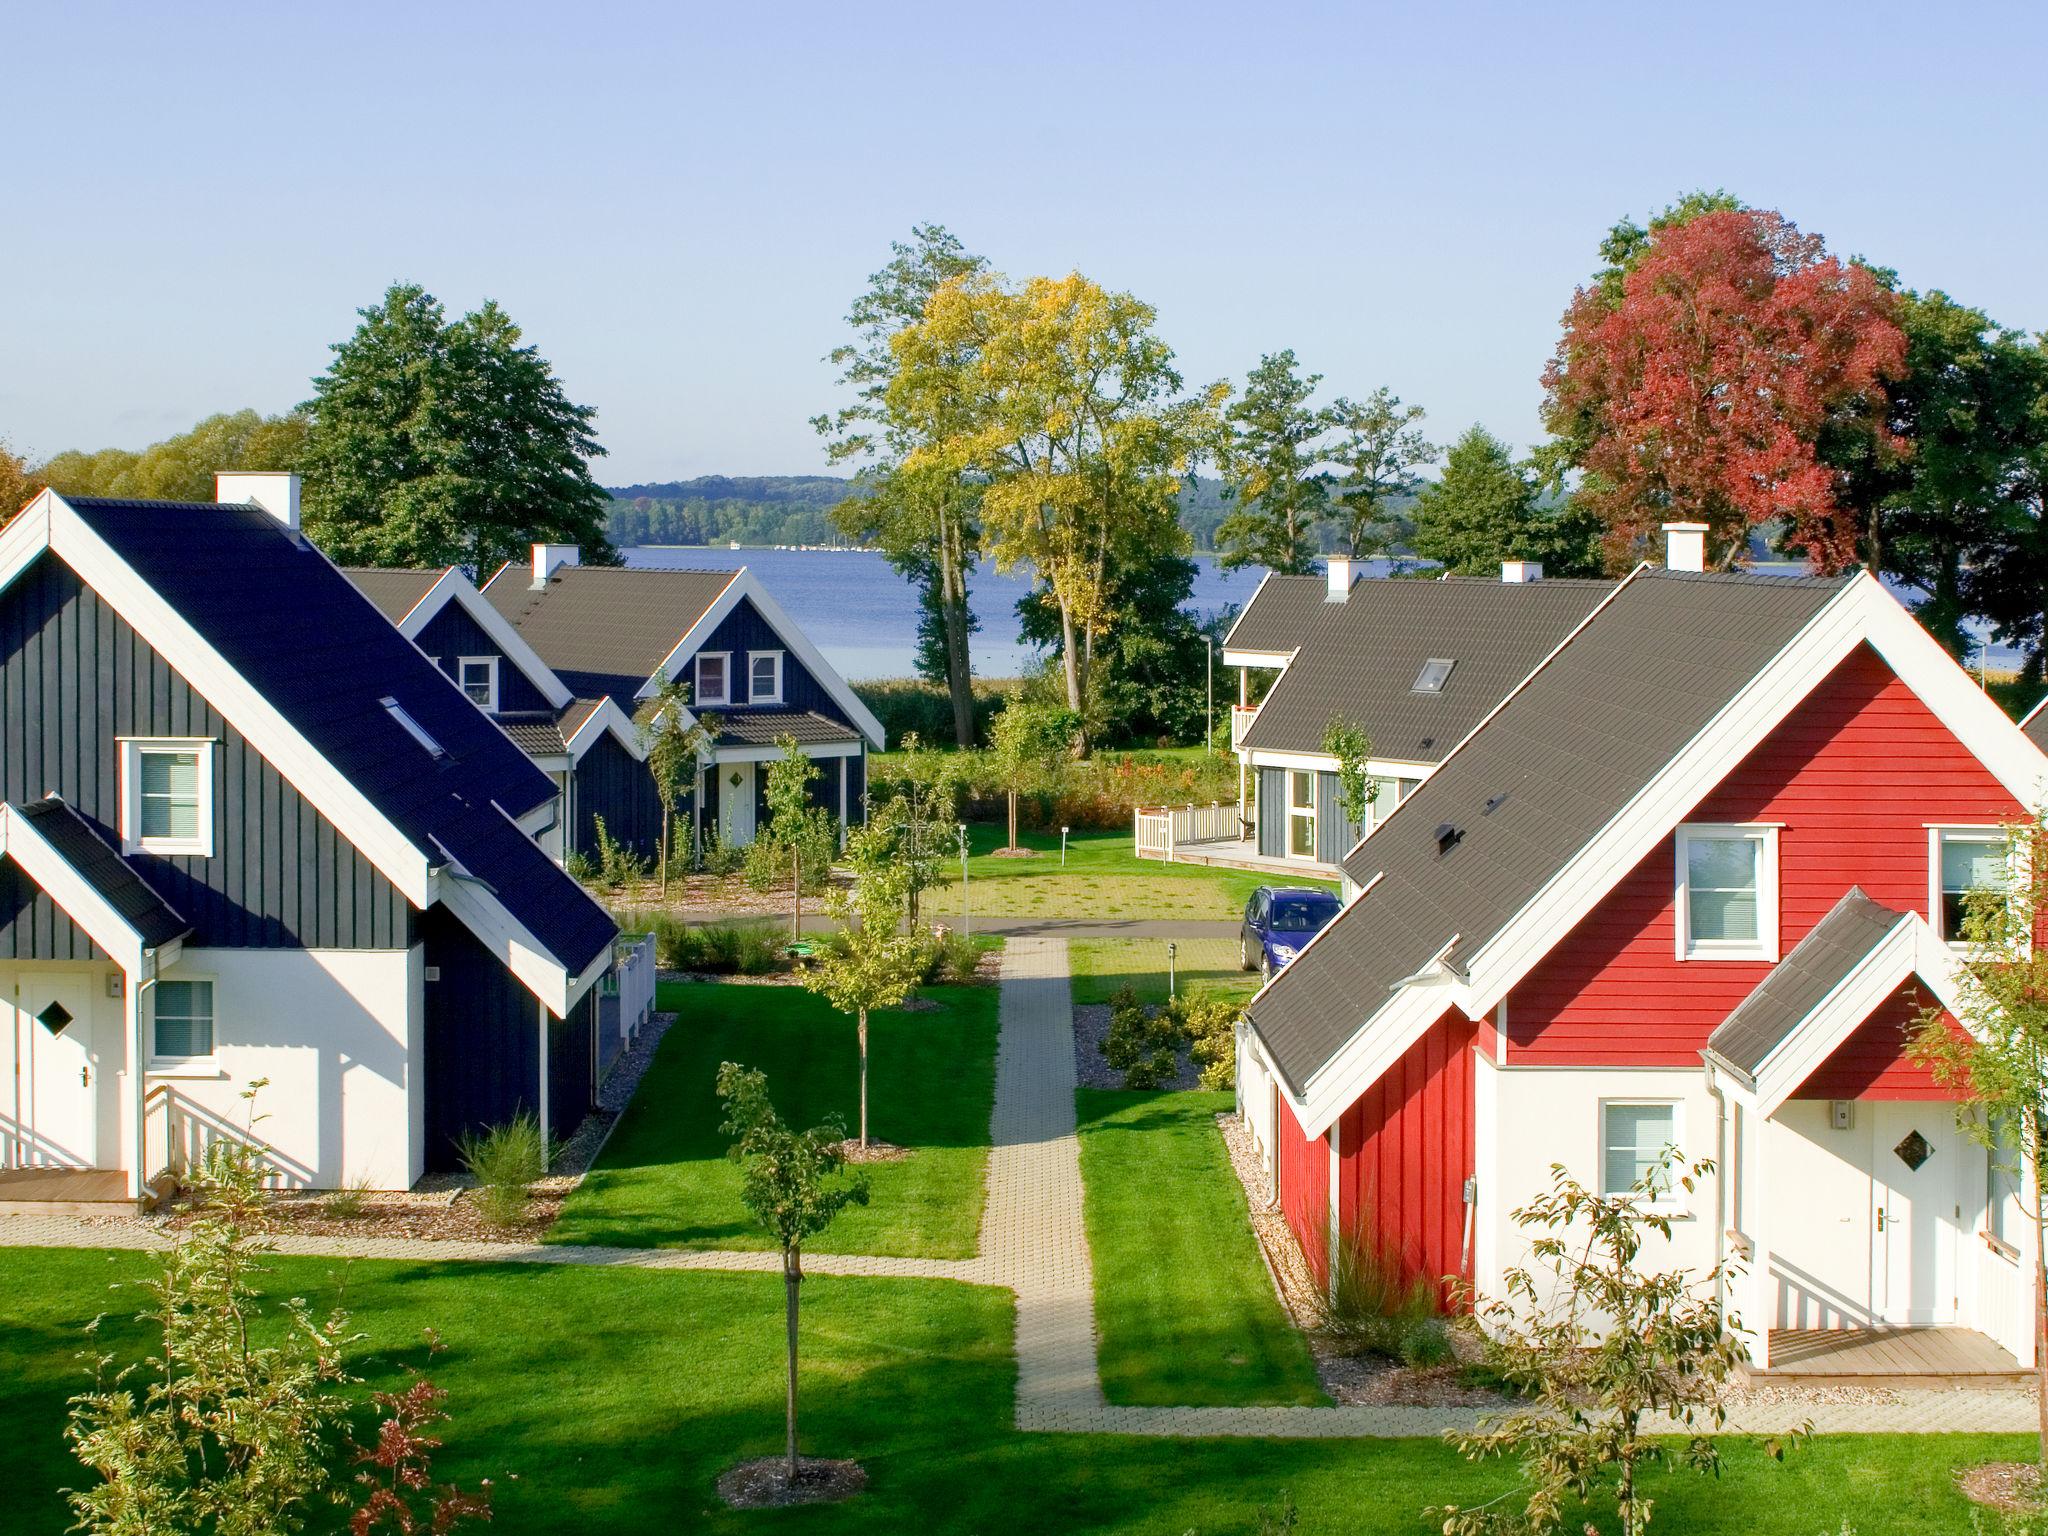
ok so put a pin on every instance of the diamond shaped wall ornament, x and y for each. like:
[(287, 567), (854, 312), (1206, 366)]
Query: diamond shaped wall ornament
[(735, 779), (54, 1018), (1914, 1150)]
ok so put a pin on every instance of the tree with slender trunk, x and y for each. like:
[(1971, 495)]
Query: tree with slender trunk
[(674, 742), (920, 810), (797, 829), (1993, 1051), (1028, 744), (794, 1183), (1379, 455), (870, 963), (1272, 470)]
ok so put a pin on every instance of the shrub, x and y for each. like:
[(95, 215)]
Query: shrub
[(716, 856), (765, 863), (1372, 1304), (910, 706), (757, 953), (1426, 1343), (505, 1161), (616, 867), (959, 959), (578, 867), (349, 1201), (1209, 1024), (1143, 1043)]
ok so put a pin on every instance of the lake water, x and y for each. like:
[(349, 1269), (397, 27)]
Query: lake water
[(863, 616)]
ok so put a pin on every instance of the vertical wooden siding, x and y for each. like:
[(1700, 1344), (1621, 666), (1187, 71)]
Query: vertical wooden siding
[(611, 783), (33, 927), (1272, 812), (1304, 1174), (1853, 775), (482, 1055), (452, 634), (744, 630)]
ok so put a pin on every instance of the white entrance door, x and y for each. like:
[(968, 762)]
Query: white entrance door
[(1920, 1165), (736, 804), (51, 1013)]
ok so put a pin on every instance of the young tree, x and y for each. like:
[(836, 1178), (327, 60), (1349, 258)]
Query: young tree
[(923, 520), (1700, 382), (791, 1181), (870, 964), (1352, 747), (1028, 746), (920, 813), (1271, 470), (1597, 1349), (1997, 1061), (439, 443), (1061, 400), (1379, 454), (799, 833), (675, 745)]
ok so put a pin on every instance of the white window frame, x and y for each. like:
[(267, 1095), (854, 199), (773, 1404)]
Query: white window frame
[(1672, 1202), (133, 749), (1962, 832), (754, 695), (462, 663), (1765, 945), (698, 695), (1305, 813), (162, 1063)]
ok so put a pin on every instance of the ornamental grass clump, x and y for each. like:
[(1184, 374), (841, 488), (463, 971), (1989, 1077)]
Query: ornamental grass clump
[(506, 1161), (1372, 1304)]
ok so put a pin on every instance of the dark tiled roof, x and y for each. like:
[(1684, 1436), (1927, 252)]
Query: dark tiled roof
[(395, 592), (1360, 658), (105, 871), (532, 887), (325, 657), (1279, 614), (1817, 964), (748, 728), (2036, 726), (1560, 760), (538, 733), (605, 622)]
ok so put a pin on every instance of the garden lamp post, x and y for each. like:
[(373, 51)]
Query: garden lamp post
[(1171, 950), (966, 915), (1209, 709), (1063, 847)]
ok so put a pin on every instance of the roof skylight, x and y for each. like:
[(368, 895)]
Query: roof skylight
[(1433, 675), (413, 728)]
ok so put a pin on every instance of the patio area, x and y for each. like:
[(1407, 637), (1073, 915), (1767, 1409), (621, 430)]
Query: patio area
[(1213, 835), (1881, 1356), (61, 1191)]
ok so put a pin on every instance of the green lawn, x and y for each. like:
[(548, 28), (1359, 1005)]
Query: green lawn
[(1103, 878), (1101, 966), (606, 1402), (1183, 1304), (664, 1180)]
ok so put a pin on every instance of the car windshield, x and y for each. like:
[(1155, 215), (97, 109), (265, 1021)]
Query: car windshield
[(1302, 916)]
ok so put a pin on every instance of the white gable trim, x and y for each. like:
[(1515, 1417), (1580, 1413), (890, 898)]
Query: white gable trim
[(1862, 611), (53, 525), (537, 968), (608, 717), (455, 587), (22, 841), (744, 584), (1247, 608)]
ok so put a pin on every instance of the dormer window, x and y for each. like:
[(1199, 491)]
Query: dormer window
[(167, 796), (1434, 674), (714, 685), (478, 676), (764, 677)]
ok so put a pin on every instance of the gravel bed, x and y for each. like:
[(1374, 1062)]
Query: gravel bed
[(1091, 1028)]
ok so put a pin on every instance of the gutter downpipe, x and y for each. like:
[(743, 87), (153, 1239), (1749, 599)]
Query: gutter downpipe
[(139, 1184), (1724, 1174)]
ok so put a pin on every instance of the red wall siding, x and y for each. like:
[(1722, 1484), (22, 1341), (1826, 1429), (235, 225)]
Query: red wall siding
[(1304, 1186), (1406, 1151), (1873, 1063), (1854, 774)]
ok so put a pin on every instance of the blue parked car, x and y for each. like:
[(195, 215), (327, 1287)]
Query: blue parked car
[(1278, 921)]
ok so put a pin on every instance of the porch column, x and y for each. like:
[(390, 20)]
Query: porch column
[(1336, 1197), (138, 1061), (546, 1125), (1754, 1187)]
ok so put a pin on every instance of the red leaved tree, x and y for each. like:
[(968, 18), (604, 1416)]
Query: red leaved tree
[(1699, 391)]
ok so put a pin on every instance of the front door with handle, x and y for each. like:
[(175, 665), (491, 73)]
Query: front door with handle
[(52, 1110), (1920, 1160)]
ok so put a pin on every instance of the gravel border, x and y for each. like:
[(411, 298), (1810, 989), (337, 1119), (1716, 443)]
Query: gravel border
[(1091, 1028)]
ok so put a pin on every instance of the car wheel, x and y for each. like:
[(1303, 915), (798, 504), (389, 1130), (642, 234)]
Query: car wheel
[(1265, 965), (1245, 962)]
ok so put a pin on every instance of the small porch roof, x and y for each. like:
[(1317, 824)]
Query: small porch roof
[(1816, 997), (99, 889)]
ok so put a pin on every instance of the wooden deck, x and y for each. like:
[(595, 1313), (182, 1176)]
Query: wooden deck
[(1888, 1355), (60, 1191), (1243, 854)]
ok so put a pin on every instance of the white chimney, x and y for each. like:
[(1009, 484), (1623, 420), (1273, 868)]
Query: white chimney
[(1340, 579), (548, 558), (274, 490), (1518, 571), (1685, 546)]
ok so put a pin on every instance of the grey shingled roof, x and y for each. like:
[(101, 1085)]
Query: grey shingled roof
[(1360, 658), (2036, 726), (395, 592), (1559, 761), (764, 729), (105, 871), (593, 623), (1278, 615), (536, 731), (1817, 964)]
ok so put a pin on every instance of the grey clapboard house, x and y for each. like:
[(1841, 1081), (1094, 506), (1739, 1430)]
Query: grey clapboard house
[(249, 831)]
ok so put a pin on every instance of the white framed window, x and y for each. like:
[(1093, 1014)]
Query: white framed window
[(478, 676), (764, 677), (167, 795), (1727, 893), (183, 1010), (1961, 860), (714, 684), (1635, 1135), (1301, 814)]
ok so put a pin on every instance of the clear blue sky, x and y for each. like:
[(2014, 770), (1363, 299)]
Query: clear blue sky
[(678, 202)]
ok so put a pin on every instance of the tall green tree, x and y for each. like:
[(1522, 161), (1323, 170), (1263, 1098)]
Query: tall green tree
[(182, 466), (1062, 400), (923, 520), (1272, 470), (1379, 455), (1485, 509), (438, 442)]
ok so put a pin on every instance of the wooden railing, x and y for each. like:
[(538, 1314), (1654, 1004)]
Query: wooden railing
[(1241, 718), (177, 1133), (1160, 829)]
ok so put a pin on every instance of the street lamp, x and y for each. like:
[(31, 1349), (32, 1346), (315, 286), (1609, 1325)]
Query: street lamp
[(1209, 710), (966, 916)]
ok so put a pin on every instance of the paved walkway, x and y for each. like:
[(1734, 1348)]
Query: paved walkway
[(1034, 1242)]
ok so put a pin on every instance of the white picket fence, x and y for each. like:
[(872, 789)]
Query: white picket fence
[(625, 997), (1160, 829)]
